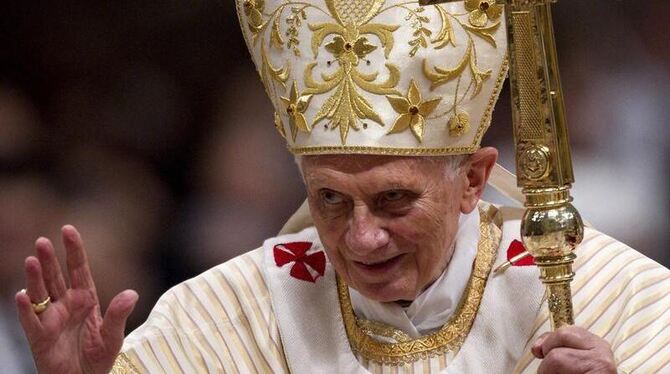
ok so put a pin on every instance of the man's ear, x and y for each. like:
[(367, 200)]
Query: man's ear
[(476, 171)]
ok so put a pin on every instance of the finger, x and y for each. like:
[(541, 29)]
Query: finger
[(114, 322), (53, 275), (29, 321), (568, 337), (77, 262), (536, 349), (36, 290), (564, 361)]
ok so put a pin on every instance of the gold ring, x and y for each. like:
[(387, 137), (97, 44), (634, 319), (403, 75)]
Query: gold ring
[(41, 306)]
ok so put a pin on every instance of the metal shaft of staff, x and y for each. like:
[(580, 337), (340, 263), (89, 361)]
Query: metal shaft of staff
[(551, 227)]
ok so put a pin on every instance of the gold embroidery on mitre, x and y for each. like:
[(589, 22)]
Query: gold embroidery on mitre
[(417, 151), (342, 53), (295, 106), (481, 11), (349, 45), (451, 336), (413, 111), (279, 125), (269, 72), (253, 9), (354, 11), (459, 124)]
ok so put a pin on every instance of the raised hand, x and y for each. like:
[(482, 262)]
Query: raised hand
[(70, 335)]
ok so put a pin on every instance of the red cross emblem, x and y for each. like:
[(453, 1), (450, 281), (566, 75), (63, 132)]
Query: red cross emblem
[(307, 267)]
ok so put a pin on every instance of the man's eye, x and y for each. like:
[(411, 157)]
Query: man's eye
[(391, 196), (396, 201), (331, 197)]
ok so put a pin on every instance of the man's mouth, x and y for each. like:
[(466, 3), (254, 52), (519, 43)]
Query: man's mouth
[(379, 266)]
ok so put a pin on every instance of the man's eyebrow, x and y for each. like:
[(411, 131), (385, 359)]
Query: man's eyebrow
[(398, 186), (315, 178), (395, 185)]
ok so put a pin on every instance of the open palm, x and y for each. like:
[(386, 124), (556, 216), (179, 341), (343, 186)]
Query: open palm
[(71, 335)]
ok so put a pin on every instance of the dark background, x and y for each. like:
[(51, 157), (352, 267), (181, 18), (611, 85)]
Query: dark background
[(145, 125)]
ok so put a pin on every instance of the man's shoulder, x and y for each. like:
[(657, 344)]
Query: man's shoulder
[(609, 269), (223, 316), (221, 296), (217, 297)]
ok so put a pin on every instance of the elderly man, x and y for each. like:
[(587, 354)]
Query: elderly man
[(384, 103)]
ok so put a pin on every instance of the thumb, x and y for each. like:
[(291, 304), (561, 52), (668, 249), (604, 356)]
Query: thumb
[(114, 322), (536, 348)]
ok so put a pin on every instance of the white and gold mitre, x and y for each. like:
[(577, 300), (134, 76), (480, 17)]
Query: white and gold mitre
[(376, 76)]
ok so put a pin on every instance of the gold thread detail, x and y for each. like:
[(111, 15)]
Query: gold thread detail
[(351, 23), (482, 11), (459, 124), (417, 151), (412, 110), (365, 150), (452, 335), (349, 46), (381, 329), (123, 365), (296, 105)]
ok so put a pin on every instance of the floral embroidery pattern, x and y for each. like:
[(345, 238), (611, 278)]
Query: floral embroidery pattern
[(481, 11), (345, 50), (346, 105), (421, 33), (295, 107), (412, 110), (253, 9), (295, 22), (352, 36), (459, 124)]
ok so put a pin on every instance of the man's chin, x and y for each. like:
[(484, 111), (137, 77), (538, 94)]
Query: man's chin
[(385, 293)]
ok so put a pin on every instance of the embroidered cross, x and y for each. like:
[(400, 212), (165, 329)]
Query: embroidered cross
[(307, 267)]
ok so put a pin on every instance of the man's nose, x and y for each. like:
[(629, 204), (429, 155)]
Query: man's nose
[(365, 233)]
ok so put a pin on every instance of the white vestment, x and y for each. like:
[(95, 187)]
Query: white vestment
[(255, 314)]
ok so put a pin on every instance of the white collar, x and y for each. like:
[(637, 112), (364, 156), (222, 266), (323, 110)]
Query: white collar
[(433, 307)]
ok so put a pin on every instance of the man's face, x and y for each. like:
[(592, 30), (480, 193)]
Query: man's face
[(387, 223)]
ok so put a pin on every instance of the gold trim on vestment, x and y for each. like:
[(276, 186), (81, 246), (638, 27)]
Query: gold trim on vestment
[(123, 365), (451, 336), (371, 327)]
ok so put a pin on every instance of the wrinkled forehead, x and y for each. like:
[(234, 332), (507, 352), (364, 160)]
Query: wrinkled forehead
[(388, 170)]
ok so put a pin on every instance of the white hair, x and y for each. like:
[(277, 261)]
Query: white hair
[(452, 163)]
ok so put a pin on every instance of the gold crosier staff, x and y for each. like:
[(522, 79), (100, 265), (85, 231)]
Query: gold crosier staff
[(551, 226)]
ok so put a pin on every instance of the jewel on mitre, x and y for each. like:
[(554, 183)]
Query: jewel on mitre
[(307, 267), (515, 249)]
